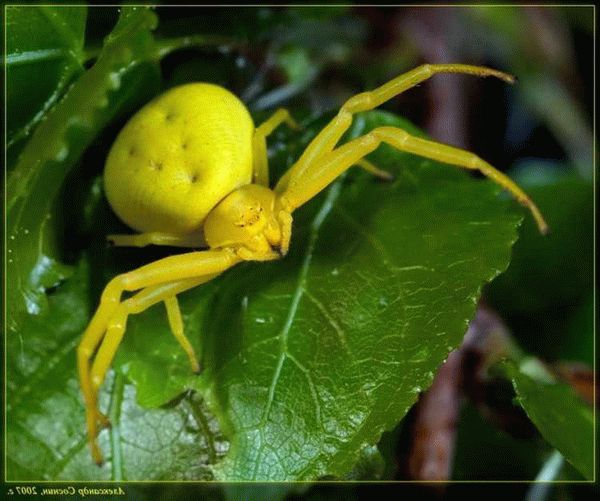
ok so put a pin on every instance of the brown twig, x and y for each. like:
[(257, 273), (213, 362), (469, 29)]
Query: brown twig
[(465, 373)]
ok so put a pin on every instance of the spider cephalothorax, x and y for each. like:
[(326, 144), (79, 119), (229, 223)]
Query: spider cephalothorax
[(251, 221), (190, 170)]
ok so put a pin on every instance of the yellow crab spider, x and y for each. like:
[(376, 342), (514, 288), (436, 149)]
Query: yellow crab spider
[(190, 170)]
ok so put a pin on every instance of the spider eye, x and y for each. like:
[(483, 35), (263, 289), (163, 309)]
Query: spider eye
[(250, 216)]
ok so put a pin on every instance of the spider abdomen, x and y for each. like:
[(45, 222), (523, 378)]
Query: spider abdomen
[(178, 157)]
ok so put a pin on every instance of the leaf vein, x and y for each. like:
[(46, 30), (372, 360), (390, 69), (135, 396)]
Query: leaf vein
[(33, 437), (66, 458), (40, 374), (339, 331), (312, 387), (359, 228)]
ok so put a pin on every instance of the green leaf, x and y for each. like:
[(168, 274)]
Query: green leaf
[(40, 40), (119, 78), (563, 419), (46, 424), (309, 359)]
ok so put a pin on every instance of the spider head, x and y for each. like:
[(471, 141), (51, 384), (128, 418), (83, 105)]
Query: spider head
[(245, 219)]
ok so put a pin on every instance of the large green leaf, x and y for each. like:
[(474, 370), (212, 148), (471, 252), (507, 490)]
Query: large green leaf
[(335, 344), (562, 418), (118, 78), (307, 360), (40, 40), (45, 433)]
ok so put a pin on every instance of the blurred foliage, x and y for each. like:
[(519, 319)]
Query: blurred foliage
[(538, 48), (545, 295), (308, 59), (513, 458)]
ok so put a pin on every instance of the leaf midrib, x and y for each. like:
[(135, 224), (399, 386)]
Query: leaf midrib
[(322, 214)]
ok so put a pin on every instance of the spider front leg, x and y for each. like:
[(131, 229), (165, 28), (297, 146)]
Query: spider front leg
[(160, 281), (259, 143), (330, 135), (328, 167)]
